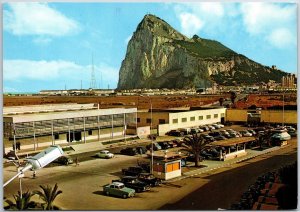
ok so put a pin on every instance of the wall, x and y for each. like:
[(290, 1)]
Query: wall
[(276, 116), (143, 116), (236, 115)]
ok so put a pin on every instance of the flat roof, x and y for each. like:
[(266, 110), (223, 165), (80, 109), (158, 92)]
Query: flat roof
[(65, 114), (232, 141), (183, 109), (13, 110)]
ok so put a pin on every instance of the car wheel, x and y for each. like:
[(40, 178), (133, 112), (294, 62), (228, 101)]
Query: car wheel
[(107, 193), (124, 196)]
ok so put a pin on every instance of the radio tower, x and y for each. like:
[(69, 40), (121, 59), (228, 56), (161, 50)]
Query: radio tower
[(93, 84)]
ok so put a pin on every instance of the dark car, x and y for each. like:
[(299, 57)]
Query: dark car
[(156, 146), (205, 128), (134, 183), (209, 138), (129, 151), (175, 133), (215, 153), (64, 160), (178, 142), (149, 179), (214, 134), (164, 145), (206, 155), (133, 171), (141, 150)]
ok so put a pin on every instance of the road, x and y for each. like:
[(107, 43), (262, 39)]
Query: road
[(82, 185)]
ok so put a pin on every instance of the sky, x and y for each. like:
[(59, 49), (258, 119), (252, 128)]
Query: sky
[(49, 46)]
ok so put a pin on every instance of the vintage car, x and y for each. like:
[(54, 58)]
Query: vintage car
[(134, 183), (149, 179), (133, 171), (64, 160), (118, 189), (104, 154)]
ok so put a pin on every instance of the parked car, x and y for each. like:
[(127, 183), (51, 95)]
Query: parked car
[(164, 145), (64, 160), (118, 189), (214, 134), (205, 128), (178, 142), (129, 151), (214, 152), (206, 155), (245, 133), (209, 138), (293, 133), (149, 179), (175, 133), (283, 136), (104, 154), (134, 183), (252, 132), (185, 131), (211, 127), (141, 150), (224, 133), (133, 171), (11, 155), (234, 135), (216, 126)]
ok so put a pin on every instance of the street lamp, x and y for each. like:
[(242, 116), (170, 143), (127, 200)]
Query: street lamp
[(37, 162)]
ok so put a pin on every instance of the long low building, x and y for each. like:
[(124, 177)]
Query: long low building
[(64, 123), (165, 120)]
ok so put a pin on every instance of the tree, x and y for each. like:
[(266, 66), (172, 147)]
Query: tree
[(195, 144), (48, 195), (21, 203), (221, 100)]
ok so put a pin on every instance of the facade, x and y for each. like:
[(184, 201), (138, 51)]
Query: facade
[(64, 123), (288, 81), (166, 120)]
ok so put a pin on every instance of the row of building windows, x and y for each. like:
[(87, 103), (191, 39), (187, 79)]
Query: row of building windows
[(193, 118), (148, 121)]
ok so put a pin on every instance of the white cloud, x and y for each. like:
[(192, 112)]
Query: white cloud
[(259, 17), (37, 19), (190, 24), (57, 71), (281, 38)]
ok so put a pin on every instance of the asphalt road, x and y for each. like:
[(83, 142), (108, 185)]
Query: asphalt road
[(82, 185), (225, 188)]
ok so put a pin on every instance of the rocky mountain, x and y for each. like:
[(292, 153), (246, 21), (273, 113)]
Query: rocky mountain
[(158, 56)]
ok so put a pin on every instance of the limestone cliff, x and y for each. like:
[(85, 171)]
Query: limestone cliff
[(160, 57)]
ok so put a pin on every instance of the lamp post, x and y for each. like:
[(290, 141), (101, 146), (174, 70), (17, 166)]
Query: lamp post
[(283, 109), (152, 150)]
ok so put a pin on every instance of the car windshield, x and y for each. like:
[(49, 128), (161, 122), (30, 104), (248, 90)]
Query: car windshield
[(121, 186)]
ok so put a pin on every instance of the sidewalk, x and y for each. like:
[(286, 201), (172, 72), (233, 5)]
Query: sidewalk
[(213, 165)]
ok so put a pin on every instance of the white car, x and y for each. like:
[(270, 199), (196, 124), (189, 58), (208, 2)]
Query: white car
[(245, 133), (105, 154), (281, 136), (216, 126)]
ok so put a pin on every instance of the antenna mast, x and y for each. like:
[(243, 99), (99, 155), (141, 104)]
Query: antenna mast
[(93, 83)]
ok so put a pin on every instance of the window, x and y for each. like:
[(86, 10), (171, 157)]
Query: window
[(138, 120), (192, 118), (175, 121), (90, 132), (184, 120), (222, 114), (148, 121), (173, 167), (215, 115), (200, 117), (158, 167), (162, 121), (208, 116)]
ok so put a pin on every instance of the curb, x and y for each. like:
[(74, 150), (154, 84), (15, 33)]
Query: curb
[(198, 172)]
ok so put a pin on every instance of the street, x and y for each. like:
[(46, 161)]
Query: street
[(82, 185)]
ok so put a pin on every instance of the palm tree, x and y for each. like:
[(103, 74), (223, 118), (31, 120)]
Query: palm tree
[(22, 202), (195, 144), (48, 195)]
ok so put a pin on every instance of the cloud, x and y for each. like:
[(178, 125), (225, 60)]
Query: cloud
[(274, 22), (37, 19), (42, 40), (190, 24), (56, 71), (281, 38)]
